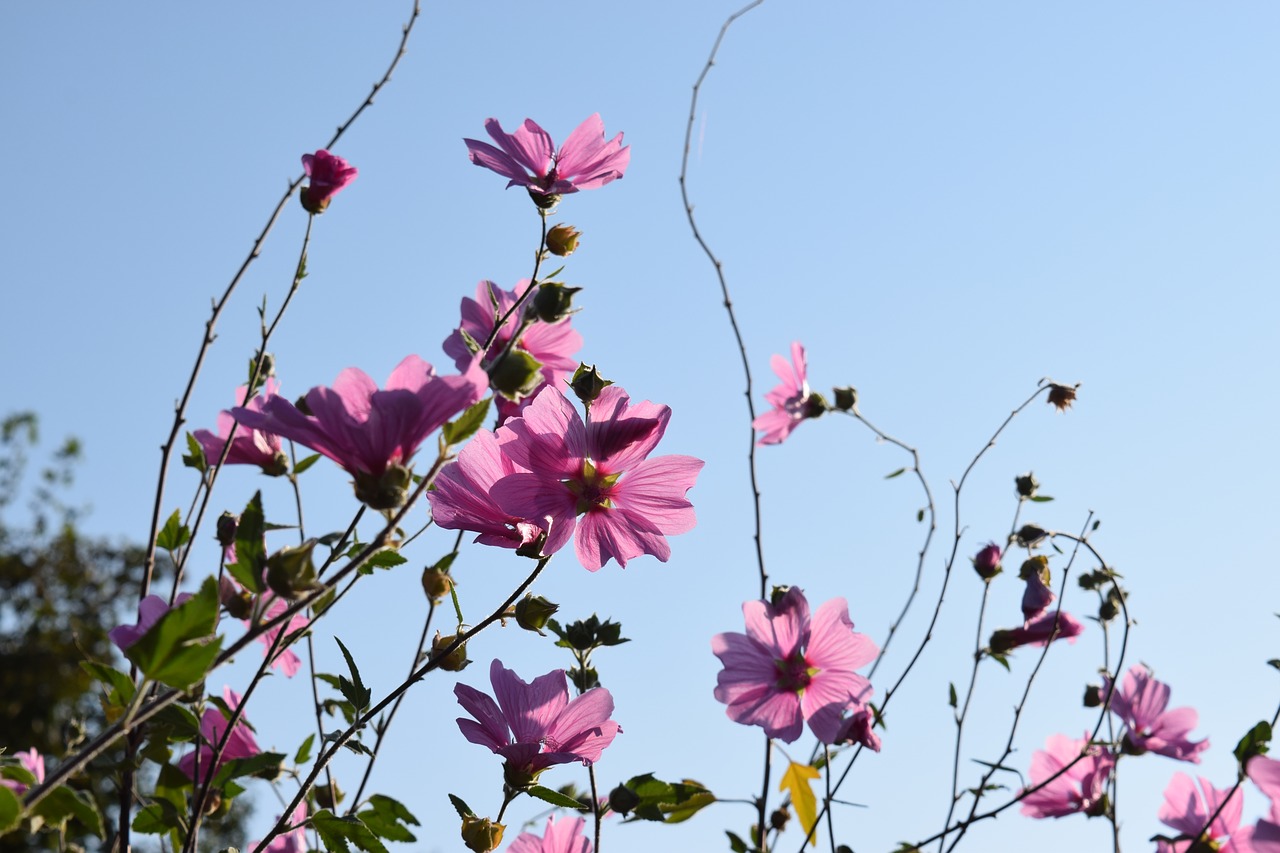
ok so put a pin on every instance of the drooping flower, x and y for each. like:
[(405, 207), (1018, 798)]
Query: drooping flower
[(240, 743), (329, 173), (248, 446), (1141, 702), (585, 161), (1037, 596), (460, 500), (787, 669), (859, 728), (150, 609), (552, 344), (987, 561), (1080, 789), (629, 504), (293, 841), (31, 761), (1187, 809), (373, 433), (1051, 625), (534, 726), (561, 836), (792, 400)]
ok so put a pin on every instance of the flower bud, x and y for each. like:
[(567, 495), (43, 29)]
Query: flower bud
[(1027, 485), (553, 302), (587, 383), (778, 593), (479, 833), (328, 796), (562, 240), (778, 819), (454, 661), (385, 492), (239, 602), (1062, 396), (546, 202), (846, 398), (622, 800), (227, 524), (1029, 534), (1092, 695), (278, 466), (814, 406), (516, 374), (987, 561), (436, 583), (290, 572), (533, 611)]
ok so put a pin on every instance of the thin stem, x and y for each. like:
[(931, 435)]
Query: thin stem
[(964, 709), (595, 804), (826, 776), (762, 804), (533, 283), (724, 291)]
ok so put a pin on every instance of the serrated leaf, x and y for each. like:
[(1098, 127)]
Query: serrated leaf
[(897, 473), (195, 457), (306, 463), (386, 818), (120, 687), (10, 809), (181, 647), (461, 807), (303, 755), (796, 781), (354, 690), (159, 818), (384, 559), (555, 798), (335, 833), (466, 424), (63, 804), (174, 534), (1255, 742), (251, 549), (265, 765)]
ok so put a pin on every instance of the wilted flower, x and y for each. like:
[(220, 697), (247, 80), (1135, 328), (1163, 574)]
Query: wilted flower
[(329, 174), (792, 400), (788, 669), (1054, 625), (1037, 596), (585, 161), (1061, 396)]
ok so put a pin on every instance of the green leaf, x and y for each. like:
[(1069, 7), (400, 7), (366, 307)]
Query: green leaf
[(736, 844), (251, 550), (547, 795), (306, 463), (951, 698), (897, 473), (335, 833), (920, 515), (466, 424), (159, 818), (354, 690), (384, 559), (386, 818), (460, 807), (10, 809), (265, 765), (174, 534), (1255, 742), (303, 755), (63, 804), (670, 802), (195, 458), (1041, 499), (181, 647), (119, 686)]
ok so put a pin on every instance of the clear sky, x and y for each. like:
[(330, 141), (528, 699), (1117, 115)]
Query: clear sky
[(945, 202)]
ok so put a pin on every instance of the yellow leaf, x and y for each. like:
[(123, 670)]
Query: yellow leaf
[(796, 782)]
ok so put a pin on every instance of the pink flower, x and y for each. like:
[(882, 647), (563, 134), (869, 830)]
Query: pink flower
[(460, 500), (1053, 625), (285, 660), (586, 160), (859, 728), (293, 841), (987, 561), (1141, 702), (240, 743), (534, 726), (371, 433), (249, 446), (31, 761), (1187, 810), (1037, 596), (629, 504), (329, 174), (1265, 773), (787, 669), (552, 344), (792, 400), (1080, 789), (150, 609), (561, 836)]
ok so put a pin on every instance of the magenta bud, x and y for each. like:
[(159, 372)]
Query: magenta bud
[(987, 561)]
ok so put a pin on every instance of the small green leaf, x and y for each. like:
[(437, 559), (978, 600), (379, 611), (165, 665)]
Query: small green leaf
[(354, 690), (466, 424), (384, 559), (1274, 663), (460, 807), (181, 647), (303, 755), (336, 831), (306, 463), (386, 818), (1041, 499), (897, 473), (951, 699), (736, 844), (920, 514), (265, 765), (195, 458), (555, 798), (159, 818), (1255, 742), (251, 549), (174, 534)]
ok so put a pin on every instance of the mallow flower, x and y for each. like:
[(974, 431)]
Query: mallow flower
[(1080, 789), (535, 726), (240, 744), (792, 401), (561, 836), (552, 344), (1265, 773), (150, 609), (1040, 631), (788, 669), (329, 173), (373, 433), (460, 500), (1141, 702), (293, 841), (248, 446), (33, 763), (1187, 810), (585, 161)]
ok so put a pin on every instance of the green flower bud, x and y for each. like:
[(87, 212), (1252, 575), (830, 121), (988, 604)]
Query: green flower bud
[(436, 583), (533, 611), (290, 572), (622, 800), (562, 240), (846, 398), (553, 302), (479, 833), (385, 492), (456, 660), (1027, 485), (516, 374), (587, 383)]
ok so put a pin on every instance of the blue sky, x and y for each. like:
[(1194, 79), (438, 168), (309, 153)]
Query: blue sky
[(944, 202)]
